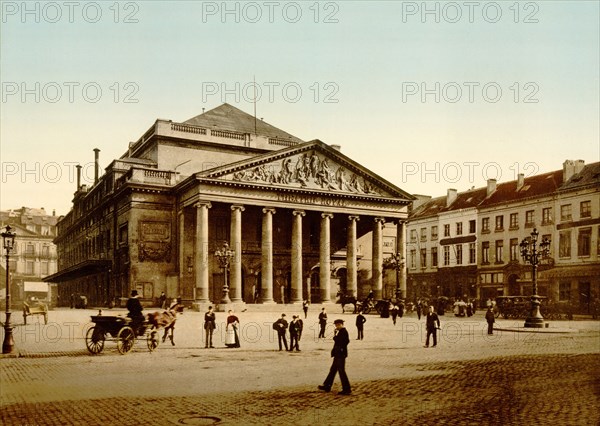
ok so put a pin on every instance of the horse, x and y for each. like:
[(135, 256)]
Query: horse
[(348, 300), (166, 319)]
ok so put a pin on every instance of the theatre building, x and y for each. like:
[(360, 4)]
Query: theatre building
[(303, 220)]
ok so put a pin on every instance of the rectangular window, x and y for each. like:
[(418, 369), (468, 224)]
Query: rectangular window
[(12, 265), (446, 230), (423, 234), (29, 268), (514, 249), (584, 242), (434, 257), (565, 213), (485, 252), (423, 258), (585, 209), (499, 251), (530, 218), (44, 268), (459, 254), (472, 253), (547, 216), (564, 244), (564, 291), (499, 223), (458, 228), (434, 232), (446, 255), (413, 235), (485, 224), (45, 251), (413, 259), (514, 221), (472, 226), (29, 248)]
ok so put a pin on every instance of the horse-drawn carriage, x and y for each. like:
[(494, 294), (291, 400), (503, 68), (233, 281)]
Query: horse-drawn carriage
[(366, 306), (125, 331)]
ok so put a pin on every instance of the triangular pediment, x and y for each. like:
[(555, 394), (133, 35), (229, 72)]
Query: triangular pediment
[(312, 166)]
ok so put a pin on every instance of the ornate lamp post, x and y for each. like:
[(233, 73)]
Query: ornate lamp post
[(396, 261), (224, 255), (8, 241), (532, 254)]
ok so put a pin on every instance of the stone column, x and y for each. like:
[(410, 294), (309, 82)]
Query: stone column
[(266, 292), (351, 267), (235, 278), (377, 267), (297, 256), (183, 267), (201, 263), (401, 250), (325, 259)]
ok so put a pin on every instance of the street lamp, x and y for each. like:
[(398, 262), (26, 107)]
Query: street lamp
[(8, 241), (396, 261), (224, 255), (532, 254)]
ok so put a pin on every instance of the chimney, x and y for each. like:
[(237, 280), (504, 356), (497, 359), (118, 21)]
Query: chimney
[(129, 150), (450, 197), (491, 187), (520, 181), (53, 212), (579, 165), (78, 176), (96, 164), (337, 147)]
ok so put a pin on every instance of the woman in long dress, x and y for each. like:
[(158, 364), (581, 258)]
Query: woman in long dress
[(232, 339)]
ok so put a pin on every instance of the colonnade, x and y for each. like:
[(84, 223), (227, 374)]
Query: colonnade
[(201, 254)]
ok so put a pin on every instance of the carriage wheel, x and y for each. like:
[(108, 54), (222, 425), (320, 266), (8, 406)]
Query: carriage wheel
[(152, 340), (94, 340), (125, 340), (366, 309)]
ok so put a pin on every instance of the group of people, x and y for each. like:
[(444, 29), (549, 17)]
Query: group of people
[(295, 329)]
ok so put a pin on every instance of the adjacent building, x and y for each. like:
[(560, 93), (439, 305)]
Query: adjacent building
[(34, 255), (482, 229), (304, 220)]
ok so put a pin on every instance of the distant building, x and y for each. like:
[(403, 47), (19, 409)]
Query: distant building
[(477, 254), (34, 256), (304, 220)]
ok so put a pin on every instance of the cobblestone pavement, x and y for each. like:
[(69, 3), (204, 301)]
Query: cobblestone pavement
[(470, 378)]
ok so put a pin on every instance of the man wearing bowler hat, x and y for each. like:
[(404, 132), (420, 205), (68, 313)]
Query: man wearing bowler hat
[(339, 354)]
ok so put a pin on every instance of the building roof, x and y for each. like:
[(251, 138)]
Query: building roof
[(228, 117), (541, 185)]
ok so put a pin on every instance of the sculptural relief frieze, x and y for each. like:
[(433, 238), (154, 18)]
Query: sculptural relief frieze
[(307, 171), (154, 241)]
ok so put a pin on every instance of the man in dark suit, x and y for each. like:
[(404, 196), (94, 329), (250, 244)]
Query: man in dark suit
[(339, 354), (281, 325), (431, 321), (295, 333), (322, 323), (134, 308)]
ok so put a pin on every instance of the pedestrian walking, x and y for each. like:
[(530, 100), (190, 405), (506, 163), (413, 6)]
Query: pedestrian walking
[(232, 339), (339, 353), (400, 309), (419, 310), (431, 320), (305, 304), (489, 317), (394, 312), (162, 300), (209, 327), (295, 333), (360, 324), (322, 323), (281, 325)]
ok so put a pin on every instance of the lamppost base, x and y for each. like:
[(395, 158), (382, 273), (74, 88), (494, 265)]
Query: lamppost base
[(534, 323), (8, 345)]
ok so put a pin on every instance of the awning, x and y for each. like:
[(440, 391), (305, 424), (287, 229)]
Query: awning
[(82, 269), (37, 286), (583, 271)]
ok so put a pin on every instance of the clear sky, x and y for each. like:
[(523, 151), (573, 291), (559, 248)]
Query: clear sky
[(429, 95)]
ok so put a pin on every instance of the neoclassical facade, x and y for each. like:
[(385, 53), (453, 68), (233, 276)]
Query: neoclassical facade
[(296, 214)]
